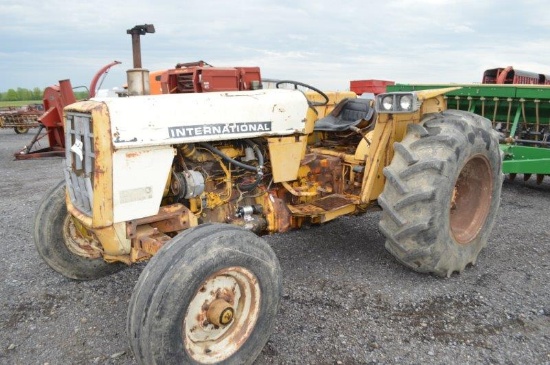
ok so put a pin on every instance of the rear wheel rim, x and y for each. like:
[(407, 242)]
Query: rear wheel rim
[(208, 343), (471, 199)]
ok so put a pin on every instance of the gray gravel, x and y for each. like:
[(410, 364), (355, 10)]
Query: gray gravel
[(345, 301)]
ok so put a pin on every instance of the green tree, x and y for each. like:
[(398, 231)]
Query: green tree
[(80, 95), (11, 95), (37, 93), (23, 94)]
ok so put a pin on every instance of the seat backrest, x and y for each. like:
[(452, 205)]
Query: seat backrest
[(349, 112), (356, 109)]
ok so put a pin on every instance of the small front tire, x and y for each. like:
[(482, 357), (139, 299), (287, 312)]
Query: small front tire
[(53, 232), (210, 295)]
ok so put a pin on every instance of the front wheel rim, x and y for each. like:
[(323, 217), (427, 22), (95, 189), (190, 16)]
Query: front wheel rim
[(236, 290), (78, 245), (471, 199)]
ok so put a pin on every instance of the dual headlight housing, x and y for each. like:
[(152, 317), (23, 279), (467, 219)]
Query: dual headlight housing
[(397, 102)]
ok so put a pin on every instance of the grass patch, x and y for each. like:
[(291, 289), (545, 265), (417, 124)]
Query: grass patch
[(19, 103)]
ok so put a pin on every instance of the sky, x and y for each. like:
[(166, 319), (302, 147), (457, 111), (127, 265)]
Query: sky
[(322, 43)]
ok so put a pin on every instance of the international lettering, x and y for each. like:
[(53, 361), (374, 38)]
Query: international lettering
[(218, 129)]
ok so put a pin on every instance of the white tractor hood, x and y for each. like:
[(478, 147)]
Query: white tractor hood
[(157, 120)]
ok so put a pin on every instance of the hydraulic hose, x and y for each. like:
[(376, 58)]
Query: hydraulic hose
[(259, 174), (257, 169)]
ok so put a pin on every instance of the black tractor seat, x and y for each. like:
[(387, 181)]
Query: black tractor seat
[(348, 113)]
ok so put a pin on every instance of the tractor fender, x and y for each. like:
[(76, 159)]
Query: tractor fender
[(432, 93)]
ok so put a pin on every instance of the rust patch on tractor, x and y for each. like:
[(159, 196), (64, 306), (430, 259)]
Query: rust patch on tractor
[(277, 213), (226, 294), (332, 202), (133, 154), (324, 171), (149, 234), (170, 218)]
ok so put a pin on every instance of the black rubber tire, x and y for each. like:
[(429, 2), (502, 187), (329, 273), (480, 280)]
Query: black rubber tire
[(420, 203), (21, 130), (49, 221), (171, 279)]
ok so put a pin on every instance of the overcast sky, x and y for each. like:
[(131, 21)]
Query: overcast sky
[(323, 43)]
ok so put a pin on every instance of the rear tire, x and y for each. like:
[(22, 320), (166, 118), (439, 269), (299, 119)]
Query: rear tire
[(50, 227), (169, 316), (21, 130), (442, 192)]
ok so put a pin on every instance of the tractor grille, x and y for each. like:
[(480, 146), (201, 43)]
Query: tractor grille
[(79, 160)]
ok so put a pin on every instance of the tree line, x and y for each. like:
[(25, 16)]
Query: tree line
[(22, 94)]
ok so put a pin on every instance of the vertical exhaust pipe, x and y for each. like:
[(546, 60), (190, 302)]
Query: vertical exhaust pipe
[(138, 77)]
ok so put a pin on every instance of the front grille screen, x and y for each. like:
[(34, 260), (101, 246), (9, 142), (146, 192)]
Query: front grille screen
[(79, 160)]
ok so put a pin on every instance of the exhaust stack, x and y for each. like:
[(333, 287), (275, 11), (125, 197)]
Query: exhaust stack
[(138, 77)]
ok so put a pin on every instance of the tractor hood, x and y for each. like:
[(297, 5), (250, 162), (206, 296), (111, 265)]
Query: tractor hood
[(185, 118)]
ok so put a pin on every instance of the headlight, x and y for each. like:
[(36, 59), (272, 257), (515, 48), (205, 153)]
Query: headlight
[(397, 102), (405, 102), (387, 102)]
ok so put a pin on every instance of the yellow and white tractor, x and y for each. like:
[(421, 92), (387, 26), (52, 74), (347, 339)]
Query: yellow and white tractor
[(190, 182)]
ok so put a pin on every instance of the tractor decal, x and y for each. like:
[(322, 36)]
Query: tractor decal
[(217, 129)]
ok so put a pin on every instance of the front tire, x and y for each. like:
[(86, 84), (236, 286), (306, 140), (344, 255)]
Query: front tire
[(54, 234), (210, 295), (21, 130), (442, 192)]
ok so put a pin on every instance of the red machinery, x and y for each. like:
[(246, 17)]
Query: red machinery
[(198, 77), (508, 75), (55, 98), (500, 75), (369, 86)]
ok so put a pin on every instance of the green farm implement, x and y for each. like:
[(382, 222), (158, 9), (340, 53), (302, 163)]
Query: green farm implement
[(520, 113)]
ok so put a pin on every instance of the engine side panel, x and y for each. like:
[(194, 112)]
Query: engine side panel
[(139, 179)]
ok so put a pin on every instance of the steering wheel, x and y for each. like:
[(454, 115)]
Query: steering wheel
[(298, 83)]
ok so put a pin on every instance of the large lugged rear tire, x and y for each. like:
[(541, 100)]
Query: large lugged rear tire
[(52, 239), (442, 192), (209, 296)]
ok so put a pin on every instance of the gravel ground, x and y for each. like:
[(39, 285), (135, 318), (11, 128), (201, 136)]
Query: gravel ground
[(345, 299)]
